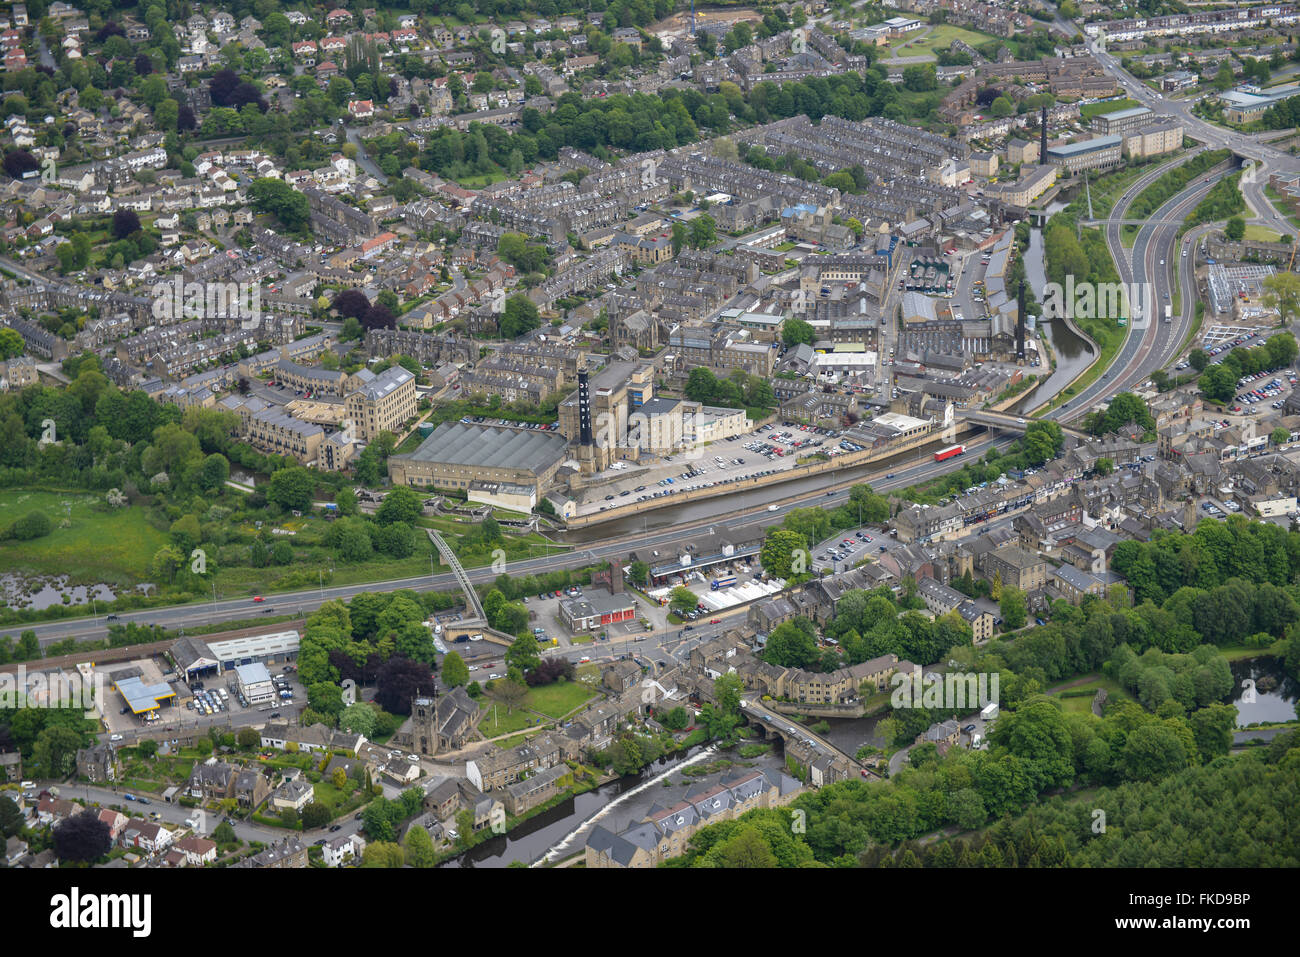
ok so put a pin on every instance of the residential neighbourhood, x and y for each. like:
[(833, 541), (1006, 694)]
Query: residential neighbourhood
[(636, 435)]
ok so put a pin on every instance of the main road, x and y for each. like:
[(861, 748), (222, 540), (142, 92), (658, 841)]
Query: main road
[(1267, 159), (750, 520)]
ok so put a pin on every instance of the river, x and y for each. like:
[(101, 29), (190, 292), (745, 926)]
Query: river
[(562, 831), (1073, 354)]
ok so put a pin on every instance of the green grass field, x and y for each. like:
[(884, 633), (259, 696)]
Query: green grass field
[(554, 701), (1082, 704), (558, 699), (1261, 233), (98, 544), (1089, 110), (497, 722), (936, 38)]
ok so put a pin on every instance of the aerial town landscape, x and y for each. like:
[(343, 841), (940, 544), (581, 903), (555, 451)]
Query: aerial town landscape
[(649, 434)]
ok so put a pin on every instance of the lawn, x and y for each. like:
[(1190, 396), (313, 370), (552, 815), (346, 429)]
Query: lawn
[(1081, 703), (936, 38), (554, 701), (483, 179), (498, 722), (558, 699), (1261, 234), (1089, 110), (90, 543)]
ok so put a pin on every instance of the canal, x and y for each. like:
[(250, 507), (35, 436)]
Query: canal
[(1073, 354)]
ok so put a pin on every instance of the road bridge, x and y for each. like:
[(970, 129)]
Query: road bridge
[(799, 738), (1009, 422)]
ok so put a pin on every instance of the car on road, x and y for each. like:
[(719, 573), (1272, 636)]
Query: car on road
[(584, 659), (258, 598), (335, 827), (715, 621), (969, 728)]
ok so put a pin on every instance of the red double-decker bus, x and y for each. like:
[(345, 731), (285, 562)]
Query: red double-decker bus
[(949, 452)]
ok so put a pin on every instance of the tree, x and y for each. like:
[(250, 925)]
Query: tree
[(920, 78), (379, 317), (797, 332), (247, 738), (82, 837), (274, 196), (1198, 359), (292, 489), (746, 849), (419, 848), (1013, 608), (402, 504), (454, 670), (509, 692), (784, 553), (55, 750), (18, 162), (1104, 466), (314, 815), (638, 573), (224, 834), (519, 316), (383, 854), (30, 526), (126, 222), (401, 679), (683, 600), (1282, 292), (1218, 383), (359, 718), (464, 828), (1280, 436), (792, 644), (703, 232), (11, 819), (1235, 228), (11, 344), (524, 654), (351, 303)]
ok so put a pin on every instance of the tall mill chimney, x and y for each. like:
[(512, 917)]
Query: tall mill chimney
[(584, 408), (1042, 136), (1020, 321)]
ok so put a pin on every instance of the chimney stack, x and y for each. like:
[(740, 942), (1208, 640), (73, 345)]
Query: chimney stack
[(1042, 136), (1020, 322), (584, 408)]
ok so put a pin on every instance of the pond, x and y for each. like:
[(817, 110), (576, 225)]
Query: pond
[(1274, 693), (46, 591)]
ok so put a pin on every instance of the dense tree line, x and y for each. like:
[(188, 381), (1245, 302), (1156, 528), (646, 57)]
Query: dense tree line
[(1215, 553), (1228, 813), (1035, 748), (1218, 382)]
